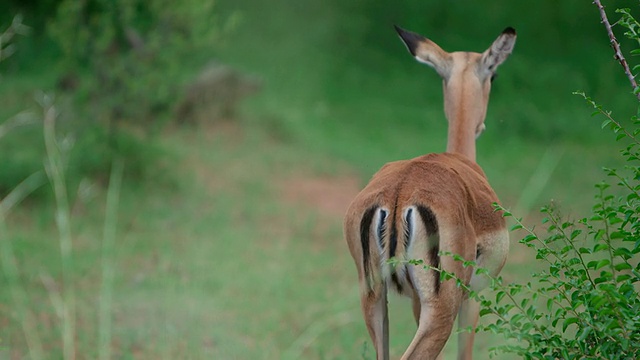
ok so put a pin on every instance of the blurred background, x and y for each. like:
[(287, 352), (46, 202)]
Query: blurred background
[(244, 128)]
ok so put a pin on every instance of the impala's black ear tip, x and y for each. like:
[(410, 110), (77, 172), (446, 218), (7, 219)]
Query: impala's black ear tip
[(410, 39), (509, 31)]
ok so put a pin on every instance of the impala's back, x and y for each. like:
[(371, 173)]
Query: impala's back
[(417, 209)]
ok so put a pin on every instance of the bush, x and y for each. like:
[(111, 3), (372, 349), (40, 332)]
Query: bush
[(584, 304), (124, 62), (120, 71)]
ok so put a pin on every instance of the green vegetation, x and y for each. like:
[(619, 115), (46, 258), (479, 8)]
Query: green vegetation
[(590, 276), (227, 239)]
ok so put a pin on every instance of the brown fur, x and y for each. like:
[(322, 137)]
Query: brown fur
[(453, 212)]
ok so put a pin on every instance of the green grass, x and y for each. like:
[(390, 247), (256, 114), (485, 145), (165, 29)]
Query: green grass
[(222, 265), (226, 260)]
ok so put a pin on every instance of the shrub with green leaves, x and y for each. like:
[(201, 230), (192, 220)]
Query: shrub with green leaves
[(583, 303), (126, 59), (124, 64), (120, 67)]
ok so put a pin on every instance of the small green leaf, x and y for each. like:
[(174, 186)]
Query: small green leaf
[(600, 247), (617, 234), (623, 252), (569, 321), (602, 263), (529, 237), (575, 233), (584, 250), (457, 257), (613, 219), (622, 266), (623, 277)]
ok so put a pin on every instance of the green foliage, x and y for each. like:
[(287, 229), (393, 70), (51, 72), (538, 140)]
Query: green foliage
[(584, 302), (135, 51), (120, 72)]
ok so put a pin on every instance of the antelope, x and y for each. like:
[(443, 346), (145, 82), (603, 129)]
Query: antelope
[(439, 202)]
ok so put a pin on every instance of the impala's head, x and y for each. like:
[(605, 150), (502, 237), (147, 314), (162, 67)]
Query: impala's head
[(466, 77)]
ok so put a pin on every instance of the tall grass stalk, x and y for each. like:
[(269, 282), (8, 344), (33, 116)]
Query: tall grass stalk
[(55, 170), (109, 235), (10, 267), (24, 118)]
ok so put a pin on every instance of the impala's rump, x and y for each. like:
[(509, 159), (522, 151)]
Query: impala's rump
[(411, 231), (387, 233)]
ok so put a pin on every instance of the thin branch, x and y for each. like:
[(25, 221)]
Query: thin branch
[(616, 47)]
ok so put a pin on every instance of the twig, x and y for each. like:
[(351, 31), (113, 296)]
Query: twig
[(616, 47)]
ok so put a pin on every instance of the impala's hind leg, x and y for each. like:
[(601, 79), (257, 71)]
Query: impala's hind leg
[(374, 308), (436, 322), (467, 317), (491, 255), (438, 306), (416, 307), (416, 314)]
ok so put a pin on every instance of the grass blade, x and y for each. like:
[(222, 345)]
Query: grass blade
[(55, 171), (109, 234), (10, 267)]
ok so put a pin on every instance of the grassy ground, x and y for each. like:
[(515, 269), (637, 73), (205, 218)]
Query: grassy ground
[(243, 259), (240, 255)]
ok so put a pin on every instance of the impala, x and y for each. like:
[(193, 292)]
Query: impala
[(418, 208)]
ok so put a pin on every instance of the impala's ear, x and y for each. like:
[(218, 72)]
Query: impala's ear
[(425, 51), (499, 50)]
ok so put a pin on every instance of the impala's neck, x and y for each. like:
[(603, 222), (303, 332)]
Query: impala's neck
[(461, 140), (465, 104)]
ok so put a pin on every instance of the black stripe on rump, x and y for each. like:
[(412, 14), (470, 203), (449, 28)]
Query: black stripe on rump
[(393, 237), (365, 231), (408, 229), (393, 244), (429, 219), (381, 228), (393, 240), (434, 260), (431, 226)]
